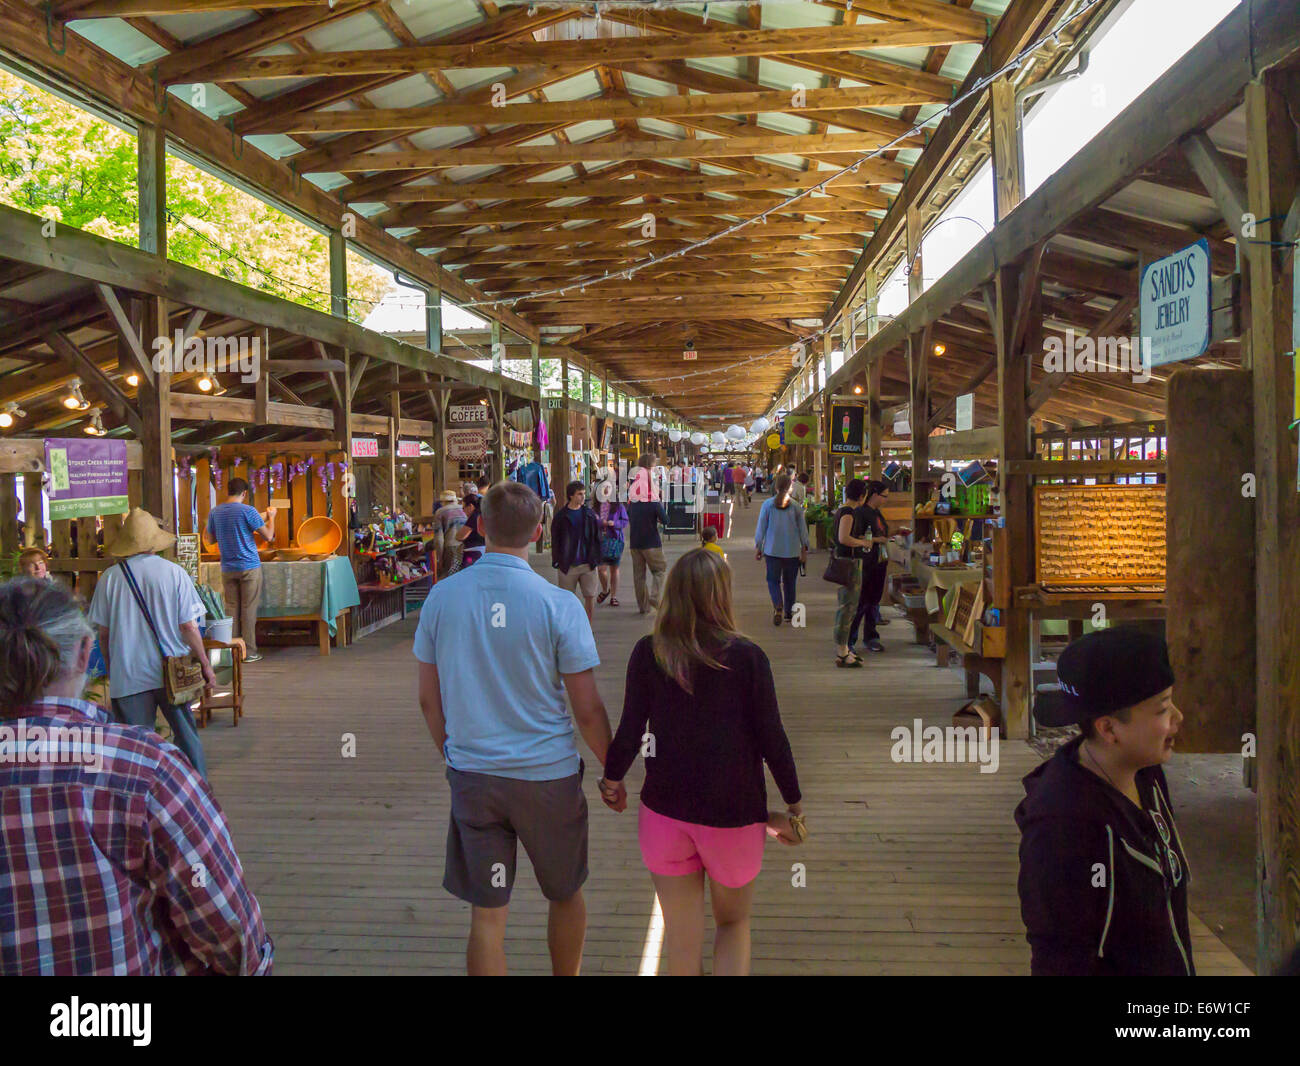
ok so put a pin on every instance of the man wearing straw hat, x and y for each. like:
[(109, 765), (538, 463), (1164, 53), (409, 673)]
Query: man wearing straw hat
[(127, 638)]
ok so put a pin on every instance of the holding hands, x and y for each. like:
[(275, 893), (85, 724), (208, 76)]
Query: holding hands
[(614, 794)]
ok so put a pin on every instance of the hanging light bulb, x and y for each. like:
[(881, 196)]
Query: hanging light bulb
[(95, 427), (940, 349), (133, 380), (857, 389), (10, 414), (205, 384), (74, 401)]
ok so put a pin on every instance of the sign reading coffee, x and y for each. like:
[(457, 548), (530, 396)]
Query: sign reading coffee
[(469, 414)]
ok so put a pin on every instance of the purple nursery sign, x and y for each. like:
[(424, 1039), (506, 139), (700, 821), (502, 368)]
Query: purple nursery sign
[(87, 477)]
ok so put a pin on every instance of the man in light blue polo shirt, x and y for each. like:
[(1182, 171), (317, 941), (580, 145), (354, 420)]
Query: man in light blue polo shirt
[(232, 525), (499, 648)]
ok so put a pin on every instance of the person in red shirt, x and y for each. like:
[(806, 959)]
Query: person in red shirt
[(114, 858)]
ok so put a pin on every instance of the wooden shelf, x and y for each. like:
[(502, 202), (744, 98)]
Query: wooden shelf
[(394, 586)]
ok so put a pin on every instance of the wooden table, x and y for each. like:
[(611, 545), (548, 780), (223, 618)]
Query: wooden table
[(972, 661)]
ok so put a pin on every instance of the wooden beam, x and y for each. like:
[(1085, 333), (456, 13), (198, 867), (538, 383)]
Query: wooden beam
[(602, 50), (1008, 170), (490, 189), (125, 330), (304, 366), (107, 9), (95, 379), (601, 109), (1219, 179)]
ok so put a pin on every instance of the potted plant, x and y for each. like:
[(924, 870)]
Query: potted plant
[(819, 519)]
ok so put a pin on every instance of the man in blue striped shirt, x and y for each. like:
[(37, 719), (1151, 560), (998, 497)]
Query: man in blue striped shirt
[(232, 525)]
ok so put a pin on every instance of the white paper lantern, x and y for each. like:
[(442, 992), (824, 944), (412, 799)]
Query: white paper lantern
[(698, 438), (641, 420), (674, 435), (657, 427), (717, 438), (760, 424), (704, 447), (735, 432)]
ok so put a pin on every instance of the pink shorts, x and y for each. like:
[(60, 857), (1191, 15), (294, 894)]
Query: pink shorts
[(731, 856)]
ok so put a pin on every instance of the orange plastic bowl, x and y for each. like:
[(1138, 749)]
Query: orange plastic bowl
[(319, 536)]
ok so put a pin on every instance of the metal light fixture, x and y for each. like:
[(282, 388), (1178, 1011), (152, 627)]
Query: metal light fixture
[(205, 384), (95, 427), (75, 401), (10, 414)]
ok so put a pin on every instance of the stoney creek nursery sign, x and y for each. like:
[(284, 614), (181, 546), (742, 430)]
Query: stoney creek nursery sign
[(87, 477), (1174, 306)]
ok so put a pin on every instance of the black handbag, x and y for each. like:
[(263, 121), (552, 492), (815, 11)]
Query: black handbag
[(839, 570)]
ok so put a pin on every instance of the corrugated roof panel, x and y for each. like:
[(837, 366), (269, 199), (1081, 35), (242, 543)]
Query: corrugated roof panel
[(586, 131), (276, 145), (960, 58), (731, 68), (779, 75), (639, 86), (120, 39), (362, 30), (585, 86), (456, 175), (463, 79), (441, 137), (438, 19), (415, 91), (202, 25)]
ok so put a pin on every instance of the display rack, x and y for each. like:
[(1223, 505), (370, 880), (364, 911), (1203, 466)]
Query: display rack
[(1099, 536)]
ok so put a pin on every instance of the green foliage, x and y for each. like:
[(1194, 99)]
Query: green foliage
[(62, 163)]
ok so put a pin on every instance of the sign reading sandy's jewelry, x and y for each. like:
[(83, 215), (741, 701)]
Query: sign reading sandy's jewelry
[(1174, 306)]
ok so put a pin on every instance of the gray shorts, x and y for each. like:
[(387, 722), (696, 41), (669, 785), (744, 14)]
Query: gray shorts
[(490, 814)]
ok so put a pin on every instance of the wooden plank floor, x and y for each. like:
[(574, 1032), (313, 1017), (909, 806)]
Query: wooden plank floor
[(911, 869)]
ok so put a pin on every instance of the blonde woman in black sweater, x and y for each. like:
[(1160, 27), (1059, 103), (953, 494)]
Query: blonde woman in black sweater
[(701, 706)]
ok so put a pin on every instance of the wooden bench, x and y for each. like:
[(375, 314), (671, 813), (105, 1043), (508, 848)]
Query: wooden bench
[(975, 664)]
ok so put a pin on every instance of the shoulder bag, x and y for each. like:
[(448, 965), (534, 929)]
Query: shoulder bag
[(182, 674)]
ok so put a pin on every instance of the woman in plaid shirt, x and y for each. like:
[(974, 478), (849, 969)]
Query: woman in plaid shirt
[(114, 856)]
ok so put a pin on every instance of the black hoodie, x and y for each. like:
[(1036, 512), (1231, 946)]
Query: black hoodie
[(1101, 893)]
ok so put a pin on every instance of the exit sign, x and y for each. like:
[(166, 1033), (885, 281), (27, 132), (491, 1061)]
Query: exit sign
[(690, 353), (554, 403)]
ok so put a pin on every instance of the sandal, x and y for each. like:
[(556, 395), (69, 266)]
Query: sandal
[(847, 660), (613, 601), (601, 597)]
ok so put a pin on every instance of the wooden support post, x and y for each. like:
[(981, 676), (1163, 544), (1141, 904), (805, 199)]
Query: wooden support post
[(1018, 332), (440, 449), (338, 274), (535, 350), (154, 401), (1008, 176), (1273, 192), (394, 431), (151, 178), (33, 511), (918, 361), (871, 299), (915, 273), (496, 347), (261, 388), (433, 320), (875, 417)]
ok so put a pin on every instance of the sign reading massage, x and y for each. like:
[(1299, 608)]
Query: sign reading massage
[(87, 477), (1174, 305)]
